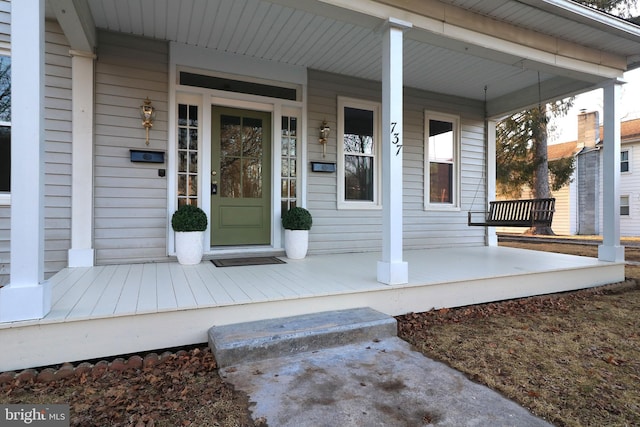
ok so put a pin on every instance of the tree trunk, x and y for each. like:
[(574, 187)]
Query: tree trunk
[(541, 188)]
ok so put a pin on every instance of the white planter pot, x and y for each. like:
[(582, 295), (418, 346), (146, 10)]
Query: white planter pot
[(189, 247), (296, 243)]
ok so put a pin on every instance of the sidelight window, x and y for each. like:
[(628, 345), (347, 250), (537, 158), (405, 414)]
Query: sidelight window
[(187, 154)]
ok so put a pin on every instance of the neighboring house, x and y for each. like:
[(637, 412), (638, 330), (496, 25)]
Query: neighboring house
[(563, 222), (411, 93), (579, 203), (590, 179)]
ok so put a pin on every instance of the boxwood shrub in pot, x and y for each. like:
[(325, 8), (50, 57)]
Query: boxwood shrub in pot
[(297, 222), (189, 222)]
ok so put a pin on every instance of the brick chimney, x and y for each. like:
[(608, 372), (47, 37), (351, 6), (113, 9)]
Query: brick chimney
[(588, 128)]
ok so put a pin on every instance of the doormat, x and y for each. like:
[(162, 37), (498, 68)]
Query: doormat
[(240, 262)]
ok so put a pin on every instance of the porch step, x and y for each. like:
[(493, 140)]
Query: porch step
[(265, 339)]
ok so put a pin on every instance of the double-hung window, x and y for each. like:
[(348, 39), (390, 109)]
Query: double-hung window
[(442, 148), (358, 153), (5, 128), (624, 206), (624, 161)]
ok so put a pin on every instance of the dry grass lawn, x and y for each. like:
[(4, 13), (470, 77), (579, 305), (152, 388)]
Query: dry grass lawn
[(573, 359)]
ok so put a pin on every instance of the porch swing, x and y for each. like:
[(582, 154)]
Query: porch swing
[(514, 213)]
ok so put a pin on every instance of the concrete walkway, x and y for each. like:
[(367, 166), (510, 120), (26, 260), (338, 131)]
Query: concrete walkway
[(369, 377)]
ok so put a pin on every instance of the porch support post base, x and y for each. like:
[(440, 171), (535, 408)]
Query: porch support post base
[(393, 273), (19, 303), (611, 253), (81, 257)]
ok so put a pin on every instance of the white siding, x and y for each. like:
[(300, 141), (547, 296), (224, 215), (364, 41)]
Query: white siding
[(360, 230), (562, 217), (57, 154), (630, 186), (130, 198)]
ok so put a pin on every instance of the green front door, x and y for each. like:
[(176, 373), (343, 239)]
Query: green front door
[(240, 177)]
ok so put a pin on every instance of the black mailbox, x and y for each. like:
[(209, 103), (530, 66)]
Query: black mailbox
[(323, 167), (147, 156)]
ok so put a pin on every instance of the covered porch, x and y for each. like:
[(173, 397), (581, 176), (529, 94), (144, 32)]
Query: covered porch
[(118, 309), (84, 203)]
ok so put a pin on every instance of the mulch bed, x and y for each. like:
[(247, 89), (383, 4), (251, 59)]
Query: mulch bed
[(180, 388)]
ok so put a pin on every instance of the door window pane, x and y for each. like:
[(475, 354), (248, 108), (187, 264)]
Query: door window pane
[(230, 138), (252, 137), (241, 152), (230, 177), (252, 179)]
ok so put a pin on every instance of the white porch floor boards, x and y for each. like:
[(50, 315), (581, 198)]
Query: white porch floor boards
[(117, 309)]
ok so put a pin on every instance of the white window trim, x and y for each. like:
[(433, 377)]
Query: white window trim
[(297, 113), (628, 205), (203, 61), (455, 205), (377, 132), (629, 159)]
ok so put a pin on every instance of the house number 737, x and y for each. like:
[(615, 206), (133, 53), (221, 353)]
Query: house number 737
[(395, 137)]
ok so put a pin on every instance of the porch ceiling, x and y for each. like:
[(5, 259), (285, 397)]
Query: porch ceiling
[(324, 36)]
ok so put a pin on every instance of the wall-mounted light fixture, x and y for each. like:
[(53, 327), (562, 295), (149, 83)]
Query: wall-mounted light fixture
[(324, 134), (148, 115)]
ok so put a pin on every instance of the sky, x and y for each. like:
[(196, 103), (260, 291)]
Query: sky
[(567, 126)]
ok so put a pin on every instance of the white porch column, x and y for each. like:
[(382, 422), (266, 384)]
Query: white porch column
[(610, 250), (28, 295), (392, 269), (81, 253), (491, 237)]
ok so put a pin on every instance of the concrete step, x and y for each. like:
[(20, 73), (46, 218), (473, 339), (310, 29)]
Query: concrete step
[(265, 339)]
